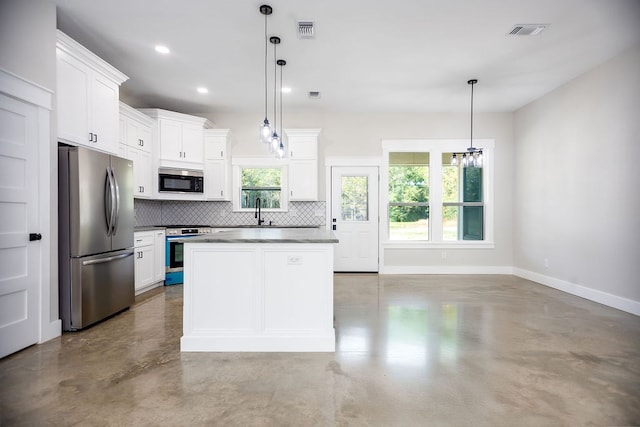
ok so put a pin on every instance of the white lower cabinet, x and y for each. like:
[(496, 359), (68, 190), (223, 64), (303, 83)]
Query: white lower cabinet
[(149, 248), (159, 264)]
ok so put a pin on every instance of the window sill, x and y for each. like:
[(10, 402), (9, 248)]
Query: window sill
[(438, 245), (262, 210)]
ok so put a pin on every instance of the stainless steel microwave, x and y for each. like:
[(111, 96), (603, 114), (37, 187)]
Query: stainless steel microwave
[(180, 181)]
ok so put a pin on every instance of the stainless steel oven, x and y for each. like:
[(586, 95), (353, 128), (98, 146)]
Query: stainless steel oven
[(175, 250)]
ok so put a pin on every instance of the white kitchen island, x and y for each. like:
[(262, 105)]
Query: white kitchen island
[(259, 289)]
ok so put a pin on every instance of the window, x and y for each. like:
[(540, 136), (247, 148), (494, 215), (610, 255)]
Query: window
[(408, 196), (258, 177), (432, 202), (263, 184), (355, 198), (463, 207)]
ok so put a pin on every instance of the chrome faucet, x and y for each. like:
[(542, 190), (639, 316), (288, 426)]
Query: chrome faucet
[(259, 211)]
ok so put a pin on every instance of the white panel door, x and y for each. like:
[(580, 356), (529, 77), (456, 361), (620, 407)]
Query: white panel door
[(354, 217), (19, 258)]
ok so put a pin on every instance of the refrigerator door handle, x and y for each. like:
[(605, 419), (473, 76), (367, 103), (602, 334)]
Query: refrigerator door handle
[(117, 204), (107, 259), (107, 202)]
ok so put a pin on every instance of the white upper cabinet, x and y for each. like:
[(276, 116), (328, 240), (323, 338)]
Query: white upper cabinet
[(88, 91), (303, 164), (180, 138), (136, 144), (217, 166)]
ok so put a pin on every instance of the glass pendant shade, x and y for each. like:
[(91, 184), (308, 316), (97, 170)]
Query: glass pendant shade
[(275, 142), (280, 152), (454, 160), (265, 132)]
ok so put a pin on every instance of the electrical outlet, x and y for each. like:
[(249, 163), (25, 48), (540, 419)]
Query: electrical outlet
[(444, 255), (294, 260), (546, 263)]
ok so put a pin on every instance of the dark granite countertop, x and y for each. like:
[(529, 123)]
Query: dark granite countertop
[(267, 235)]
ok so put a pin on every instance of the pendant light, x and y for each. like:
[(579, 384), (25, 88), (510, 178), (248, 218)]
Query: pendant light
[(280, 150), (265, 128), (473, 156), (275, 139)]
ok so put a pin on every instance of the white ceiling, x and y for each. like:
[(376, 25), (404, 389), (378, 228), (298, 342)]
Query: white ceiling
[(367, 56)]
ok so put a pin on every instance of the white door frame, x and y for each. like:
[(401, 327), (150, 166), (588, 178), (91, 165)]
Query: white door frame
[(331, 162), (50, 325)]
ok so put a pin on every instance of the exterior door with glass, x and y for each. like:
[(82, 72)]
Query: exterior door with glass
[(354, 217)]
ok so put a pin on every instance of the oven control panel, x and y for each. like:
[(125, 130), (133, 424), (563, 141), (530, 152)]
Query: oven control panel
[(188, 231)]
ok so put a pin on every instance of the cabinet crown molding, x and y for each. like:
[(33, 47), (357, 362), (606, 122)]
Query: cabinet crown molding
[(75, 49), (223, 133), (132, 113), (158, 113), (302, 132)]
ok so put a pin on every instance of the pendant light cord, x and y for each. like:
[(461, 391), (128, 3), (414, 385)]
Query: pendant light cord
[(471, 138), (281, 131), (275, 85), (266, 48)]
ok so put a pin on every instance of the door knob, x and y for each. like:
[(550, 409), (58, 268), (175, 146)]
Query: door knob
[(35, 236)]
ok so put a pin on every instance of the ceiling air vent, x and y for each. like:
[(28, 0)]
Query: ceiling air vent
[(306, 30), (528, 29), (314, 94)]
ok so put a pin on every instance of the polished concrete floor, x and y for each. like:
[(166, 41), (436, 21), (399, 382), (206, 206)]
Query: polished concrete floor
[(411, 351)]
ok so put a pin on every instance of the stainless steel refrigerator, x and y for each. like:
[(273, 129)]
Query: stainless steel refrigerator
[(95, 195)]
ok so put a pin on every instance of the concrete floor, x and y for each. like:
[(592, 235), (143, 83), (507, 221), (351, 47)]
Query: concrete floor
[(411, 350)]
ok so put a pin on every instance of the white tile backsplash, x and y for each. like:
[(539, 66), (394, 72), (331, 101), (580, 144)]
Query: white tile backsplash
[(157, 212)]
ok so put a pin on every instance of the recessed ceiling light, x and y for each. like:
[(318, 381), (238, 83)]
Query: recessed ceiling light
[(203, 90), (286, 90), (162, 49)]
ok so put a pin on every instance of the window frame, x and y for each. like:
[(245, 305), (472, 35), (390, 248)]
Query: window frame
[(239, 163), (435, 148)]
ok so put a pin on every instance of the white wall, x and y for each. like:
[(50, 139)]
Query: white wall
[(360, 135), (28, 50), (578, 185)]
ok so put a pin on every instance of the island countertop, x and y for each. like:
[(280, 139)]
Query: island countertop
[(266, 235)]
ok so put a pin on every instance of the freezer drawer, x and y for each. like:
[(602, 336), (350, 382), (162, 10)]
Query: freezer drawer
[(100, 285)]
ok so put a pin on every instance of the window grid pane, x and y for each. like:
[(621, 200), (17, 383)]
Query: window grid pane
[(355, 198), (409, 196)]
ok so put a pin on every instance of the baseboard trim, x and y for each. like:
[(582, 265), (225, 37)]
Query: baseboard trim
[(610, 300), (50, 331), (442, 269)]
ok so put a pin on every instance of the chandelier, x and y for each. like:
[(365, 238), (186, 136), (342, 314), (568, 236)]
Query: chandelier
[(473, 156)]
